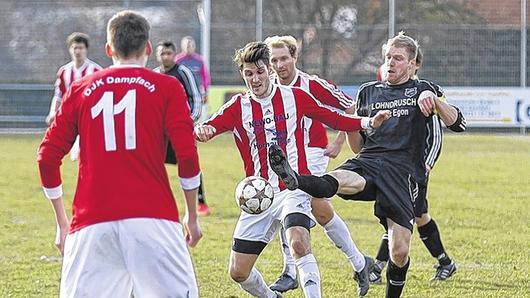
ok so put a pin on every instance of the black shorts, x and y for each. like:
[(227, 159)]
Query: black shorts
[(391, 186)]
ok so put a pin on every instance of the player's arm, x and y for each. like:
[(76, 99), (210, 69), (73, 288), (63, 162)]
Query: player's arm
[(355, 141), (192, 91), (56, 143), (63, 224), (179, 128), (356, 138), (450, 115), (59, 90), (433, 143), (333, 149), (433, 100), (317, 111), (328, 94), (222, 121)]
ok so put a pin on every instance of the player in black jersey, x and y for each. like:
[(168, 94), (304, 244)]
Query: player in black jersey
[(165, 55), (427, 227), (390, 164)]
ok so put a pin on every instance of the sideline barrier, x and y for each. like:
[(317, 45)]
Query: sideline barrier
[(25, 106)]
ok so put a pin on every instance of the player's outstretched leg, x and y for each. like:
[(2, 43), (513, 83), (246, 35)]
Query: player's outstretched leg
[(287, 280), (318, 187), (281, 167)]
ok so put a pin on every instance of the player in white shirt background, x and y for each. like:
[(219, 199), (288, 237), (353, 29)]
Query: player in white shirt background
[(72, 71)]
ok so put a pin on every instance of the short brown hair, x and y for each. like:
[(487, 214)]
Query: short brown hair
[(167, 44), (278, 42), (128, 33), (403, 41), (253, 52), (77, 37)]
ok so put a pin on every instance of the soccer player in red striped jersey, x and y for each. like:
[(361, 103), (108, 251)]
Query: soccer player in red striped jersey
[(284, 52), (79, 67), (125, 221), (269, 117), (74, 70)]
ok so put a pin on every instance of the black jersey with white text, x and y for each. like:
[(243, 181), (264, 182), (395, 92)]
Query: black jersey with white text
[(401, 140)]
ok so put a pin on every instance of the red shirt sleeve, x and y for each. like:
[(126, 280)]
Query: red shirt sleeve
[(179, 128), (226, 118), (58, 140), (315, 110), (327, 93)]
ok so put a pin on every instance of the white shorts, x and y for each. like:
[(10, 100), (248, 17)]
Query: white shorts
[(262, 227), (144, 257), (317, 162)]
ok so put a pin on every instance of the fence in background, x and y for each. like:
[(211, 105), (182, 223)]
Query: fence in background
[(466, 42)]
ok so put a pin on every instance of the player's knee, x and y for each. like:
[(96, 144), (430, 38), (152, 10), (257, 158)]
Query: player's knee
[(423, 220), (328, 187), (238, 275), (322, 217), (322, 210), (300, 247), (400, 255), (299, 241)]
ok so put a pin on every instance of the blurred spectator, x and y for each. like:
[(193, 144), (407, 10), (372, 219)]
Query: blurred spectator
[(189, 58)]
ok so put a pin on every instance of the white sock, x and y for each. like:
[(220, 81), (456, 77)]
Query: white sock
[(338, 233), (309, 276), (256, 286), (289, 266)]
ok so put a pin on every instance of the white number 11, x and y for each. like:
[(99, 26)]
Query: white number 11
[(105, 105)]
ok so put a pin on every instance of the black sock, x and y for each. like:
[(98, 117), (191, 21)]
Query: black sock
[(382, 253), (200, 196), (430, 236), (318, 187), (395, 279)]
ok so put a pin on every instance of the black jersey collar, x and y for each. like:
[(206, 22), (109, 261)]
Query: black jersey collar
[(399, 85)]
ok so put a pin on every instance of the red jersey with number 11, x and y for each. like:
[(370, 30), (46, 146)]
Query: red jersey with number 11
[(124, 116)]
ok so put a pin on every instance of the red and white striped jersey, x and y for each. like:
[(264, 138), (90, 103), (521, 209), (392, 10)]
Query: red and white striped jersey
[(279, 118), (327, 94), (68, 74), (124, 116)]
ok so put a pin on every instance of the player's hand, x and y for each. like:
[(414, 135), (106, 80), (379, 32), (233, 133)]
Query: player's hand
[(192, 230), (205, 99), (379, 118), (204, 132), (427, 102), (332, 150), (60, 237)]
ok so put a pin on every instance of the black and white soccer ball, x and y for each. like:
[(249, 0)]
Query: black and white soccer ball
[(254, 195)]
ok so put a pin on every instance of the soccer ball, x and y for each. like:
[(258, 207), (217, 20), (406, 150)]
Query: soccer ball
[(254, 195)]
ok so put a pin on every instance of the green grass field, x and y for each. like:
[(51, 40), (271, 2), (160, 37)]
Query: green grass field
[(479, 194)]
